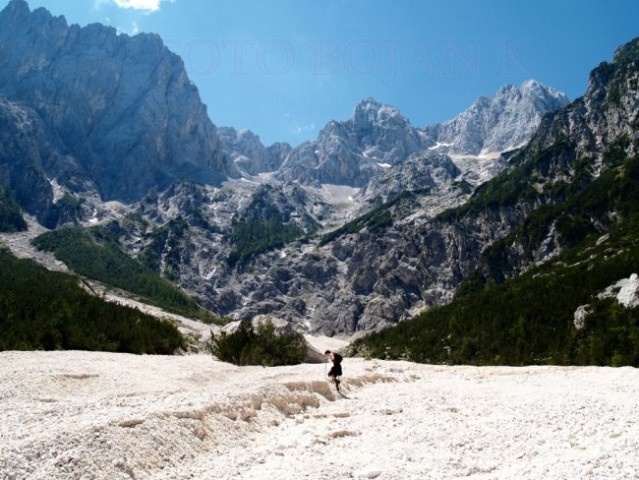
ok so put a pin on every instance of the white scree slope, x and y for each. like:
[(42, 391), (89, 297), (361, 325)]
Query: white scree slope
[(80, 415)]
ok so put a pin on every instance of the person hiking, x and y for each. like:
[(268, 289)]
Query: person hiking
[(336, 369)]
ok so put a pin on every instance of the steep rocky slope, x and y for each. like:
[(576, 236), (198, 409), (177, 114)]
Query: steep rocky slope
[(248, 153), (572, 148), (120, 110), (502, 122), (555, 280)]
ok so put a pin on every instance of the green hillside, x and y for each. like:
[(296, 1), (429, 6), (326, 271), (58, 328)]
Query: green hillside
[(43, 310), (10, 216), (95, 253), (530, 319)]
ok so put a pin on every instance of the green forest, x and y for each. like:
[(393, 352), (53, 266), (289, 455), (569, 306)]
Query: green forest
[(43, 310), (96, 254), (10, 216), (529, 320), (250, 238)]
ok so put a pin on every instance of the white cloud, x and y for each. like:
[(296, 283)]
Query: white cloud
[(147, 5), (134, 29), (150, 5)]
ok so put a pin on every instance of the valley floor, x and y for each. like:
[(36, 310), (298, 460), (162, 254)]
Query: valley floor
[(80, 415)]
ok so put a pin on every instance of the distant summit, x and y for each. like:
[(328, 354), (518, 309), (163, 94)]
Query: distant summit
[(248, 153), (354, 151), (17, 8), (502, 122), (370, 111)]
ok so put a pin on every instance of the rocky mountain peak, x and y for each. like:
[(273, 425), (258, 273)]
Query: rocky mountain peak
[(248, 153), (16, 9), (627, 53), (531, 95), (373, 120), (502, 122), (353, 151), (371, 112), (544, 98), (378, 136), (606, 113), (122, 109), (533, 85), (17, 16)]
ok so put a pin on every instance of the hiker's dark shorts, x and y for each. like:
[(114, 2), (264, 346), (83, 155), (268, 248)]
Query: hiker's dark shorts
[(335, 371)]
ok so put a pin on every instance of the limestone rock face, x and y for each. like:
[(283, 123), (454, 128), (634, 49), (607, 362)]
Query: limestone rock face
[(249, 154), (628, 296), (401, 257), (580, 317), (30, 164), (502, 122), (352, 152), (122, 107)]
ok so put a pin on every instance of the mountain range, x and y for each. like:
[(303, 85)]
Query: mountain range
[(369, 224)]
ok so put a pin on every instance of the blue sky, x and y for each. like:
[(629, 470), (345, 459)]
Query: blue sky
[(284, 68)]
